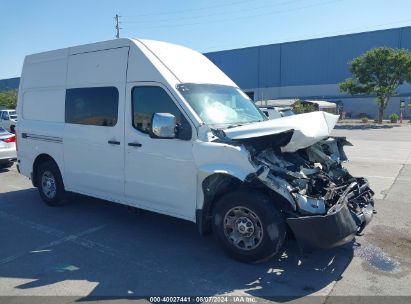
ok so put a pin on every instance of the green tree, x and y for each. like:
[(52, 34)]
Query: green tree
[(379, 72), (8, 99)]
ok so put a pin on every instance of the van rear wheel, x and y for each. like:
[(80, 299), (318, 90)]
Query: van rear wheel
[(50, 183), (248, 226)]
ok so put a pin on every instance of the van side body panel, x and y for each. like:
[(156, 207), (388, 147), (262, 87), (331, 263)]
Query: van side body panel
[(93, 165), (89, 164), (40, 109)]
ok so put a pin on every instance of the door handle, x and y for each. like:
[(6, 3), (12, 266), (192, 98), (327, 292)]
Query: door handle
[(113, 142), (134, 144)]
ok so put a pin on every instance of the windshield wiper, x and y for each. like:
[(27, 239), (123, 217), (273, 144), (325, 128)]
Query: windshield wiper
[(233, 126)]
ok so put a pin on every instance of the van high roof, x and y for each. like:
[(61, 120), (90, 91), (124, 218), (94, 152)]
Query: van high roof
[(183, 64)]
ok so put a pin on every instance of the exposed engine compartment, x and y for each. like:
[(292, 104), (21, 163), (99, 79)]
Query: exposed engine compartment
[(322, 195), (315, 181), (324, 205)]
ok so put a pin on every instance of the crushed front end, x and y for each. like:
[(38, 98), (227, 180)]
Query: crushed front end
[(327, 206), (295, 157)]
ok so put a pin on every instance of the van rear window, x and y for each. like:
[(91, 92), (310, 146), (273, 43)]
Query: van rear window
[(96, 106)]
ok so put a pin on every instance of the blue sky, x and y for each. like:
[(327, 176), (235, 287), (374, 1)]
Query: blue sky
[(38, 25)]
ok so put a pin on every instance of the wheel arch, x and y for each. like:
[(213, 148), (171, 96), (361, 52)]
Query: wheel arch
[(212, 187), (40, 159)]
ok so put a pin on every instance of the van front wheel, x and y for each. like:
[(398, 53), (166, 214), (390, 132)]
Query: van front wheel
[(248, 226), (50, 183)]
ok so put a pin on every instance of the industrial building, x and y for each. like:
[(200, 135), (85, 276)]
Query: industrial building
[(311, 69), (308, 69), (9, 84)]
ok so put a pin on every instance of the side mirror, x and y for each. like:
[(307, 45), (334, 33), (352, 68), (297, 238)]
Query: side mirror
[(163, 125)]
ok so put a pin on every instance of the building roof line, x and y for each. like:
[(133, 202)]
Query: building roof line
[(311, 39)]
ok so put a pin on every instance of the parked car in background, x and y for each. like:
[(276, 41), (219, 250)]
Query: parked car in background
[(8, 120), (277, 112), (288, 111), (8, 152)]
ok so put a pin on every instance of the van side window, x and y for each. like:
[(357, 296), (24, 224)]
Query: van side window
[(5, 115), (92, 106), (147, 100)]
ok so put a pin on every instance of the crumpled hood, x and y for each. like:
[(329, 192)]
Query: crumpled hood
[(308, 129)]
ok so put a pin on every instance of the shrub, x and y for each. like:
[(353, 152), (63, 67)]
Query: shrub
[(362, 115), (300, 107), (394, 117), (364, 119)]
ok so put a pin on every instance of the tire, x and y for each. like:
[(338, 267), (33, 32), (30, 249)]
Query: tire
[(50, 184), (255, 242)]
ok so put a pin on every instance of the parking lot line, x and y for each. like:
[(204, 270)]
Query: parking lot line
[(74, 238), (70, 237), (379, 176)]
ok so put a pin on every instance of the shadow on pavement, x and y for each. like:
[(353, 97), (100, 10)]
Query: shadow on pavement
[(4, 170), (107, 251), (363, 126)]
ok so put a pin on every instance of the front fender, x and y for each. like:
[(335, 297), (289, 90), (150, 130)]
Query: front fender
[(215, 157), (228, 169), (210, 169), (219, 158)]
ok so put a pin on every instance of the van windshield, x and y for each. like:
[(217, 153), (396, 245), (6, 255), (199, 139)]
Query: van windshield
[(221, 106)]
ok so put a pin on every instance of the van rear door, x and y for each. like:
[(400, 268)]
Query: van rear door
[(94, 123)]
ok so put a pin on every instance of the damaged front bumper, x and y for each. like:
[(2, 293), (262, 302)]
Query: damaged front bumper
[(339, 226), (327, 206), (298, 160)]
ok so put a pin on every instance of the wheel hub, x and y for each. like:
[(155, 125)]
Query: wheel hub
[(243, 228), (48, 184)]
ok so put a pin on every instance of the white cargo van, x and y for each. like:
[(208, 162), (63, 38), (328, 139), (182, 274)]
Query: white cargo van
[(158, 126)]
